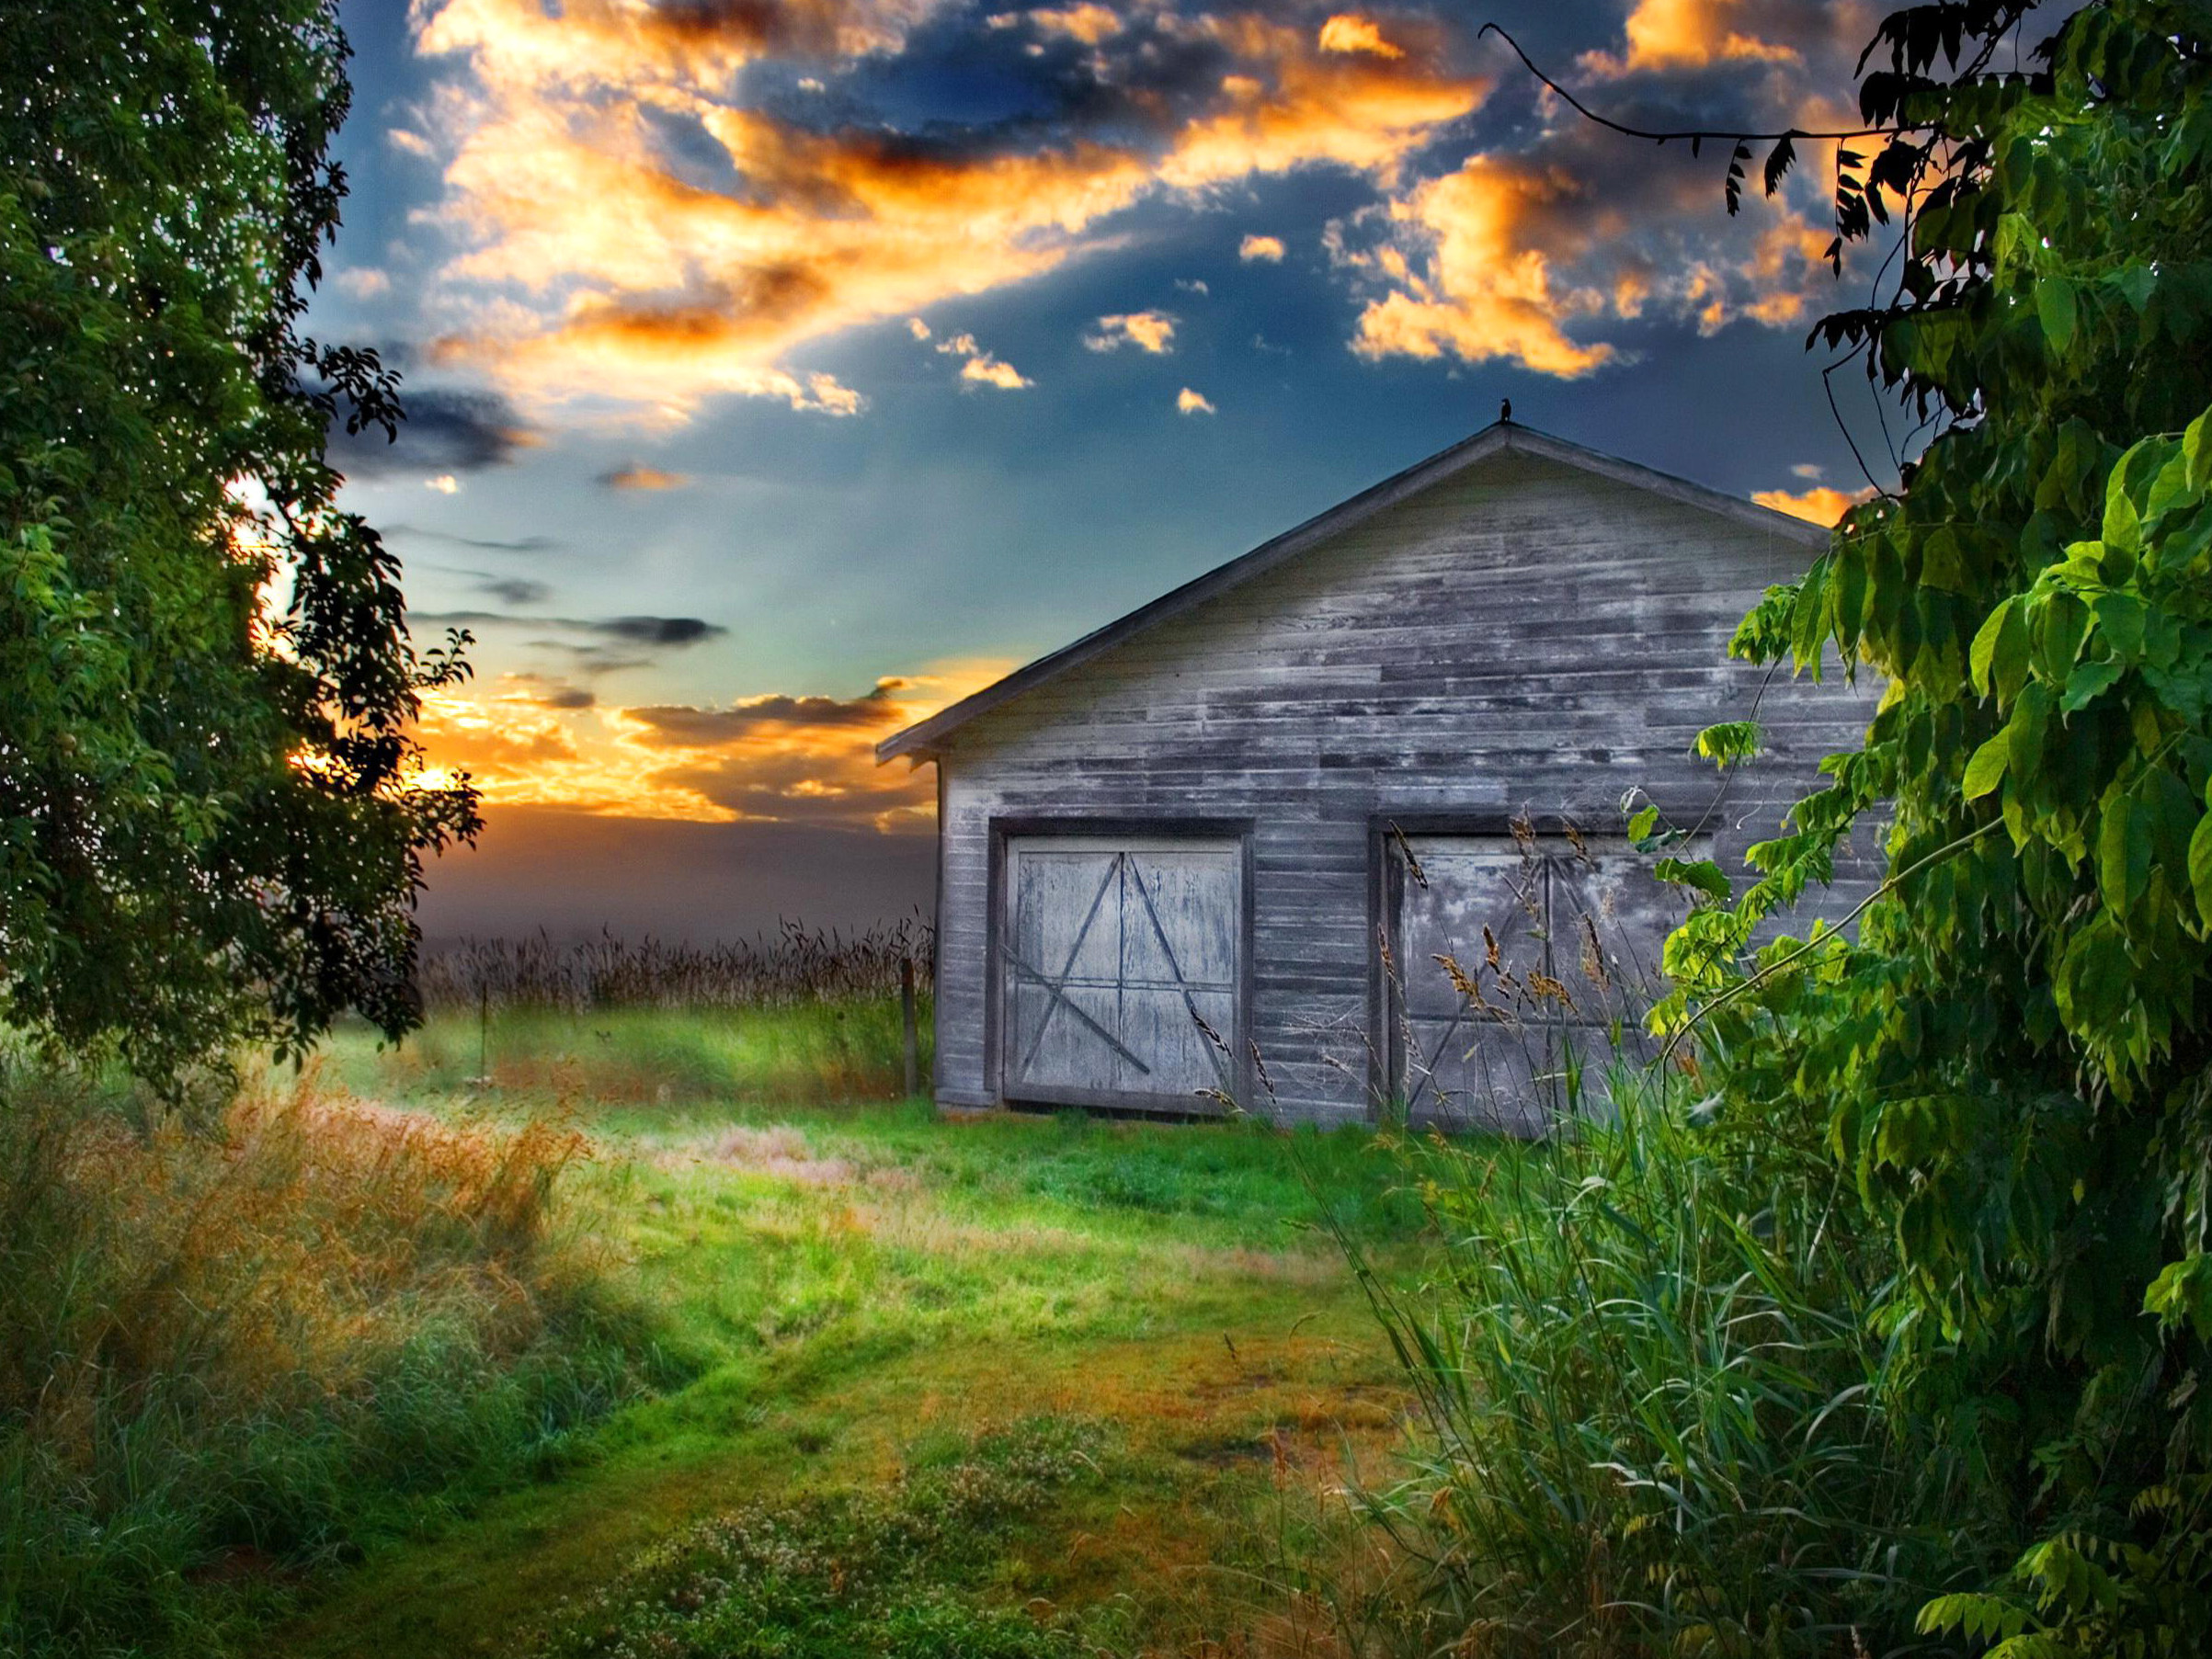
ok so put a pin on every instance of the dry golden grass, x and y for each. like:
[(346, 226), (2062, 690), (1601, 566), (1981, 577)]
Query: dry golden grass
[(225, 1342), (260, 1257)]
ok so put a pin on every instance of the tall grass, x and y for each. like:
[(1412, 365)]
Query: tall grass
[(1652, 1405), (228, 1353), (797, 965)]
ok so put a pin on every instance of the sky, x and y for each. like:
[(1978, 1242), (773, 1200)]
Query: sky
[(781, 370)]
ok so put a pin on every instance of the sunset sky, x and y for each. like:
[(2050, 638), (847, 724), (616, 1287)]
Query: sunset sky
[(783, 368)]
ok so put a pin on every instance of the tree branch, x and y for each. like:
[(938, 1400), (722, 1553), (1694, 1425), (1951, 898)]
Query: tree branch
[(1697, 135)]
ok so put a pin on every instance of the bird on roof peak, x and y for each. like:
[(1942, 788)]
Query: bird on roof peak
[(1505, 409)]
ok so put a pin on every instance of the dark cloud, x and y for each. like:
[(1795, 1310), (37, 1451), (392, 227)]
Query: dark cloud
[(544, 691), (659, 630), (528, 544), (592, 660), (632, 630), (517, 590), (687, 728), (508, 590), (735, 789), (445, 431)]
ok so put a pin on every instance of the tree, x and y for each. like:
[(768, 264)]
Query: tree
[(2011, 1060), (213, 818)]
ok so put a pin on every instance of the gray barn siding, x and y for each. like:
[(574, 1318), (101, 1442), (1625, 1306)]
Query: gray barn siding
[(1525, 635)]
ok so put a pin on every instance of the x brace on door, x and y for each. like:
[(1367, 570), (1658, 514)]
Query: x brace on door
[(1056, 987)]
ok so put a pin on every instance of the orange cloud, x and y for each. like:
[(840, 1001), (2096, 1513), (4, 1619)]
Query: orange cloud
[(981, 366), (524, 44), (638, 476), (1268, 248), (1819, 504), (1152, 331), (1685, 34), (987, 370), (768, 758), (1297, 108), (1524, 258), (1484, 290), (1086, 23), (1350, 33), (594, 266), (1187, 401)]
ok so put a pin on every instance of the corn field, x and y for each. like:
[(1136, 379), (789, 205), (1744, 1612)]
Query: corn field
[(795, 965)]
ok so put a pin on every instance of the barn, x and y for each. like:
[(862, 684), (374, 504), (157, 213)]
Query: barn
[(1214, 852)]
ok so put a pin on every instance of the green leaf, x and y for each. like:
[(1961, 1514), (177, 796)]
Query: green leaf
[(2120, 619), (2136, 284), (1701, 875), (1808, 624), (2088, 682), (2200, 867), (1729, 743), (2055, 308), (2123, 851), (2123, 524), (1982, 658), (2025, 731), (2196, 447), (1985, 770), (1943, 562)]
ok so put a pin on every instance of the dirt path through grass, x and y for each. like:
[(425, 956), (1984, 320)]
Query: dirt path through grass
[(854, 1290)]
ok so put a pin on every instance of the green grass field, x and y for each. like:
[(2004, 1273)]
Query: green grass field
[(998, 1383)]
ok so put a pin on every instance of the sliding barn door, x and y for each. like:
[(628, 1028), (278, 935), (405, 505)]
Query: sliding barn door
[(1512, 964), (1117, 957)]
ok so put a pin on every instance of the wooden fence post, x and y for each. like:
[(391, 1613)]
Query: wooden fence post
[(906, 1008)]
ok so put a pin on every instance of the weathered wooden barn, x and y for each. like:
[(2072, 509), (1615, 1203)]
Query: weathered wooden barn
[(1237, 828)]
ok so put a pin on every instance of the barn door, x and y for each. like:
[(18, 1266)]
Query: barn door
[(1112, 953), (1557, 946)]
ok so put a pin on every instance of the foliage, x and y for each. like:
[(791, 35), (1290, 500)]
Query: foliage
[(2009, 1060), (232, 1354), (211, 819), (1654, 1417), (890, 1573)]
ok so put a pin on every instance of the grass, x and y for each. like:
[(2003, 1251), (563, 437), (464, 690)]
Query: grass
[(875, 1307), (690, 1062), (230, 1350)]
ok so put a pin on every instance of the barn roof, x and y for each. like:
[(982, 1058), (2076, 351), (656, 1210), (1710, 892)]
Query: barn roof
[(923, 740)]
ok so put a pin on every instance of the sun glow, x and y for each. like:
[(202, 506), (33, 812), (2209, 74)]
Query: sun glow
[(768, 758)]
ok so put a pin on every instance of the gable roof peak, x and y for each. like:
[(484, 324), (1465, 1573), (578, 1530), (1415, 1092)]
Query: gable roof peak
[(924, 739)]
